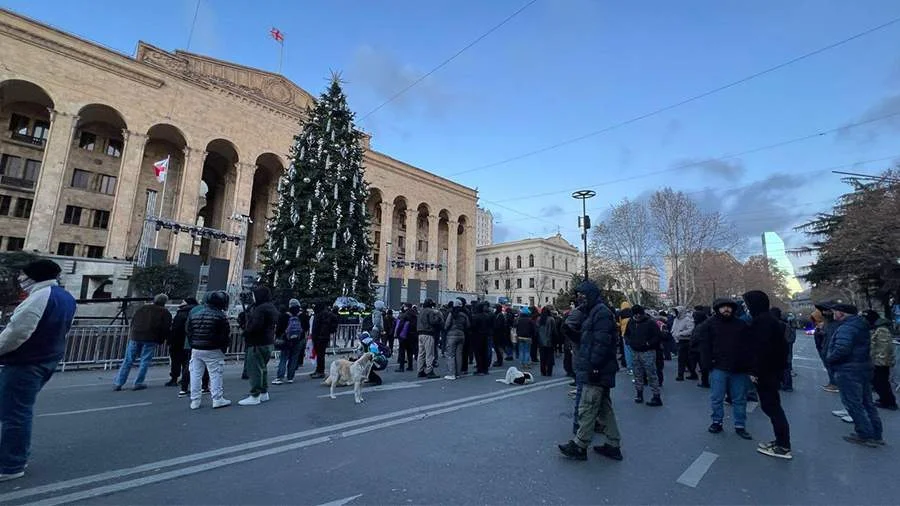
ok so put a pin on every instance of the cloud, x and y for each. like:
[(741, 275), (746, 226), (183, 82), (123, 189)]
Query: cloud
[(866, 134), (385, 76), (712, 167), (551, 211)]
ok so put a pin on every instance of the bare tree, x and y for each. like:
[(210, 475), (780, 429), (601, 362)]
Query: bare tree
[(541, 284), (506, 282), (625, 239)]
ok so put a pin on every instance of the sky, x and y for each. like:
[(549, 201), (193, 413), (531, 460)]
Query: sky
[(562, 69)]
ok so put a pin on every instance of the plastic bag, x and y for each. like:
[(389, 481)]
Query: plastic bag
[(310, 350)]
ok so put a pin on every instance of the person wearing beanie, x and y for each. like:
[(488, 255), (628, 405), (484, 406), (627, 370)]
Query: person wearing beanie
[(179, 354), (644, 337), (209, 334), (291, 339), (150, 327), (31, 346)]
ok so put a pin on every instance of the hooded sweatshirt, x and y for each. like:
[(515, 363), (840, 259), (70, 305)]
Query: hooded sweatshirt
[(595, 363), (683, 326), (642, 333), (770, 349), (724, 343), (260, 327)]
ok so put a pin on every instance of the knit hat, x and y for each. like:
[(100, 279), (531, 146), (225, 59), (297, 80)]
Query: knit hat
[(42, 270), (637, 309), (293, 303)]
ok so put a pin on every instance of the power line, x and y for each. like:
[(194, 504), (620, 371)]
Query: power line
[(448, 60), (684, 101)]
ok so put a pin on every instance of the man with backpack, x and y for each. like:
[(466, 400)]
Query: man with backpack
[(429, 325), (291, 341)]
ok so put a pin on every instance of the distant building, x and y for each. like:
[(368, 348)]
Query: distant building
[(648, 277), (484, 227), (773, 249)]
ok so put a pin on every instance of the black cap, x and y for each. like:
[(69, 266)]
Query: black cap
[(837, 306), (42, 270)]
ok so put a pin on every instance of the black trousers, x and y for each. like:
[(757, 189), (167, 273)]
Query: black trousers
[(319, 346), (499, 345), (482, 354), (186, 374), (881, 383), (568, 359), (547, 360), (534, 349), (180, 357), (407, 349), (466, 355), (685, 359), (770, 402), (659, 366)]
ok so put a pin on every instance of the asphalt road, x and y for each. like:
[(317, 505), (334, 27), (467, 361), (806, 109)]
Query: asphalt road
[(472, 441)]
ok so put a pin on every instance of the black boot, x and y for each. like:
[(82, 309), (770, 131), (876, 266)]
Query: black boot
[(679, 378), (611, 452), (400, 369), (573, 451), (639, 398), (655, 401)]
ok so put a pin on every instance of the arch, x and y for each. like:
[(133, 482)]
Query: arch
[(101, 113), (26, 107), (531, 260), (373, 206), (169, 133), (423, 228), (19, 90), (271, 158), (444, 214), (225, 148), (463, 262), (99, 129), (487, 265), (399, 234), (220, 175), (518, 261), (269, 168), (497, 263)]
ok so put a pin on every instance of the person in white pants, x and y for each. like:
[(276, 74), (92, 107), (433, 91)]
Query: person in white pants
[(209, 333)]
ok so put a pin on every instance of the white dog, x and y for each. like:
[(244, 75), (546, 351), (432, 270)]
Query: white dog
[(516, 377), (345, 372)]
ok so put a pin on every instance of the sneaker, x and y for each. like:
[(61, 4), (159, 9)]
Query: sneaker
[(679, 378), (182, 393), (610, 452), (573, 451), (221, 403), (889, 407), (421, 374), (264, 397), (290, 380), (742, 432), (195, 404), (879, 442), (278, 381), (11, 476), (316, 375), (171, 383), (249, 401), (639, 398), (847, 419), (839, 413), (715, 428), (766, 445), (833, 389), (117, 388), (140, 387), (777, 452), (432, 376), (449, 377), (655, 401), (205, 391), (855, 439)]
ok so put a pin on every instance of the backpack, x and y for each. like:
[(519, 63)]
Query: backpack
[(367, 323), (294, 330)]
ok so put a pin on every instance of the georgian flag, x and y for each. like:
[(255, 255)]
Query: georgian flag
[(161, 168)]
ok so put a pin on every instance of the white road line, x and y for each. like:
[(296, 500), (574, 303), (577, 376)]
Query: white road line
[(341, 502), (214, 464), (380, 388), (695, 472), (186, 459), (108, 408)]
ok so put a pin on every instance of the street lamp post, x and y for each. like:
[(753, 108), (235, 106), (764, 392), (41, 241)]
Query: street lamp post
[(584, 222)]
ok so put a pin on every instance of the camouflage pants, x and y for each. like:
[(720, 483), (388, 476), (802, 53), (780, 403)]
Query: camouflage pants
[(595, 409), (645, 371)]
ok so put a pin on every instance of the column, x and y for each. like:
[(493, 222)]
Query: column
[(452, 238), (411, 240), (50, 181), (433, 249), (188, 196), (242, 193), (469, 282), (126, 192), (387, 222)]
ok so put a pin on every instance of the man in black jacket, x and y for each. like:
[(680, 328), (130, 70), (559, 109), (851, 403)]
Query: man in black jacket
[(770, 360), (482, 327), (644, 337), (501, 331), (324, 324), (595, 370), (259, 338), (178, 354), (208, 333), (726, 351)]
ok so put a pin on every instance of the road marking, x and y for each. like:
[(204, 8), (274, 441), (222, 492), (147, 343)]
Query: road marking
[(214, 464), (108, 408), (695, 472), (341, 502), (186, 459), (380, 388)]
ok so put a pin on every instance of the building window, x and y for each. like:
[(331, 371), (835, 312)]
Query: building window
[(18, 124), (41, 130), (519, 283), (567, 285), (66, 249), (15, 243), (546, 300), (94, 252), (81, 179), (567, 270), (530, 282), (72, 215), (101, 219), (423, 246), (401, 246), (108, 185), (486, 264), (530, 260), (114, 147), (87, 141), (32, 168), (375, 260), (377, 244), (530, 301), (496, 264), (518, 300), (518, 262), (5, 204), (553, 262), (507, 263), (496, 284), (10, 165), (23, 208), (553, 284), (507, 284)]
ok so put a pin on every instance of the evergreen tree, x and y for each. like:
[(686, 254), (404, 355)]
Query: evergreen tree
[(317, 244)]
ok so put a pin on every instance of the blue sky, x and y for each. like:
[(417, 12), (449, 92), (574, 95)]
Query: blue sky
[(563, 68)]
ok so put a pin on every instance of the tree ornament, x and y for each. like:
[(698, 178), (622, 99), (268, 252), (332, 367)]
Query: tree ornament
[(287, 262), (284, 243), (306, 180), (332, 136), (293, 279), (295, 216), (346, 236), (335, 191), (328, 126), (328, 160), (320, 255), (302, 152), (333, 240), (302, 226), (309, 206), (335, 269), (312, 278)]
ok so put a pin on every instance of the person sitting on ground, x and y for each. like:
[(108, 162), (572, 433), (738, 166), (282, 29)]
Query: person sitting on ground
[(380, 356)]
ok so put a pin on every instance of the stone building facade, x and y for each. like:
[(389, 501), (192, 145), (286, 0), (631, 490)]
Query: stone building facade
[(529, 272), (81, 127), (484, 227)]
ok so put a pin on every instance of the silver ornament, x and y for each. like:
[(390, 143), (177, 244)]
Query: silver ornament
[(306, 180), (335, 191), (320, 255), (346, 235), (333, 240), (287, 262)]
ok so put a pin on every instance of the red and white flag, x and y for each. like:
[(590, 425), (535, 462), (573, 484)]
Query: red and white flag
[(277, 35), (161, 168)]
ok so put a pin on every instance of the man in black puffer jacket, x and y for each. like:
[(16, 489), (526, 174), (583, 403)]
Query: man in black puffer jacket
[(770, 351), (595, 371), (482, 327), (259, 337), (209, 333)]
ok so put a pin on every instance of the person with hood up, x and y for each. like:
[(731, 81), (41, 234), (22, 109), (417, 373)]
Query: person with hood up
[(546, 336), (501, 334), (323, 324), (407, 331), (825, 327), (31, 346), (179, 355), (456, 325), (882, 359), (292, 335), (700, 315), (790, 336), (259, 337), (770, 351), (525, 332), (482, 327), (596, 369), (209, 333), (848, 352), (644, 337), (726, 351), (682, 328)]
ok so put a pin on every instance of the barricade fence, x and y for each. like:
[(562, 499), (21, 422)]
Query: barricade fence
[(103, 346)]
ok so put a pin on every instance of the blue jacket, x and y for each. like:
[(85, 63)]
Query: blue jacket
[(848, 347), (37, 329)]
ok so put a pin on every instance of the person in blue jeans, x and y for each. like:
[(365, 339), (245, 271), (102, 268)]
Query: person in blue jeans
[(31, 346), (726, 351), (150, 327), (292, 332)]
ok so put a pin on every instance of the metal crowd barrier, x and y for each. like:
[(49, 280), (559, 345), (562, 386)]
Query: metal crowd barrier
[(93, 346)]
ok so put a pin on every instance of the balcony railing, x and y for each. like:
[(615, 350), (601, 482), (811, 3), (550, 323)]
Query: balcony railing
[(18, 182), (28, 139)]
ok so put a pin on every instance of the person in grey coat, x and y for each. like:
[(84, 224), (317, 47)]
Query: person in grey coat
[(456, 325)]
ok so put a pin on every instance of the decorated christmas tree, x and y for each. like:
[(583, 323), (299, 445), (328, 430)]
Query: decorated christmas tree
[(317, 245)]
